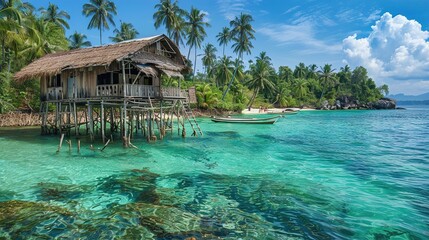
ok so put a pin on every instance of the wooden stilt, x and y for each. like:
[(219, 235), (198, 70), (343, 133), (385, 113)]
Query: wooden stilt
[(112, 121), (91, 121), (78, 145), (144, 124), (102, 122), (69, 114), (70, 144), (61, 143), (60, 118), (125, 138), (76, 125), (131, 132), (57, 117), (105, 145)]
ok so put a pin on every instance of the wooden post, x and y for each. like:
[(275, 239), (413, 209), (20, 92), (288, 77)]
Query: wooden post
[(70, 144), (137, 113), (69, 119), (105, 145), (60, 118), (122, 120), (91, 121), (102, 122), (76, 125), (161, 122), (57, 117), (112, 121), (144, 124), (124, 125), (61, 143), (78, 145)]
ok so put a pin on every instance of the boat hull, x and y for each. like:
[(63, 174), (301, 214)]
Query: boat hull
[(271, 120)]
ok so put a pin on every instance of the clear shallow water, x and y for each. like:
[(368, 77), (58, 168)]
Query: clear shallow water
[(314, 175)]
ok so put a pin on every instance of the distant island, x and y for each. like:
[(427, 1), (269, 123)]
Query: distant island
[(402, 99)]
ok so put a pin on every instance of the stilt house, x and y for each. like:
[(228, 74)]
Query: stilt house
[(122, 79)]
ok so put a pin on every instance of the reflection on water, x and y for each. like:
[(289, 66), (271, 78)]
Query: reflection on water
[(317, 175)]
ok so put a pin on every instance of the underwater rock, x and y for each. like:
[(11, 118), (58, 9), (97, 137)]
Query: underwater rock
[(138, 185), (59, 191), (21, 220), (161, 220)]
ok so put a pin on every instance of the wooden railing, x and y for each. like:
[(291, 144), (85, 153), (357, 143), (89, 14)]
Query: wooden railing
[(110, 90), (172, 92), (136, 90), (55, 93)]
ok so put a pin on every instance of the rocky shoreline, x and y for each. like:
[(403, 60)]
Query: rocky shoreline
[(350, 103)]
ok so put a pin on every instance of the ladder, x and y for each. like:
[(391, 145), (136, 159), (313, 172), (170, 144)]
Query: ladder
[(191, 117)]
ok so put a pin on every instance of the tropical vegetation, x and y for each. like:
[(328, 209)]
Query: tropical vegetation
[(226, 82)]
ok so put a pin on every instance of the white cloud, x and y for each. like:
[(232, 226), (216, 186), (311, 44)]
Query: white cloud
[(206, 18), (232, 8), (397, 49), (299, 34)]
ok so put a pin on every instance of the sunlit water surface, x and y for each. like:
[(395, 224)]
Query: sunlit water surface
[(314, 175)]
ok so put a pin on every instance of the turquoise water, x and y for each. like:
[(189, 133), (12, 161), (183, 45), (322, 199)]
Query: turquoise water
[(314, 175)]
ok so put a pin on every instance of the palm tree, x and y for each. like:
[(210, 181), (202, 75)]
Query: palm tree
[(209, 58), (102, 12), (326, 77), (171, 16), (300, 71), (196, 33), (264, 57), (300, 88), (46, 37), (224, 70), (242, 34), (312, 71), (206, 98), (282, 96), (224, 38), (261, 79), (77, 40), (126, 32), (11, 15), (52, 14)]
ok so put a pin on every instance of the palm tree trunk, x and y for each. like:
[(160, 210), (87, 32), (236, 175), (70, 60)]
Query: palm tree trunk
[(101, 41), (189, 52), (195, 59), (223, 52), (2, 53), (253, 97)]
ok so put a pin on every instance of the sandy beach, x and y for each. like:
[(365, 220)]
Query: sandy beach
[(273, 110)]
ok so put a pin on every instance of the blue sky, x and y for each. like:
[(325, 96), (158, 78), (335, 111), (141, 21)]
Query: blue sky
[(388, 37)]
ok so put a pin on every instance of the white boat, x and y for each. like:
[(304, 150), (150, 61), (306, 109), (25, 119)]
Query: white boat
[(270, 120)]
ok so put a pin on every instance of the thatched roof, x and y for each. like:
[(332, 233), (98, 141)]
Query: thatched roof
[(53, 64)]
